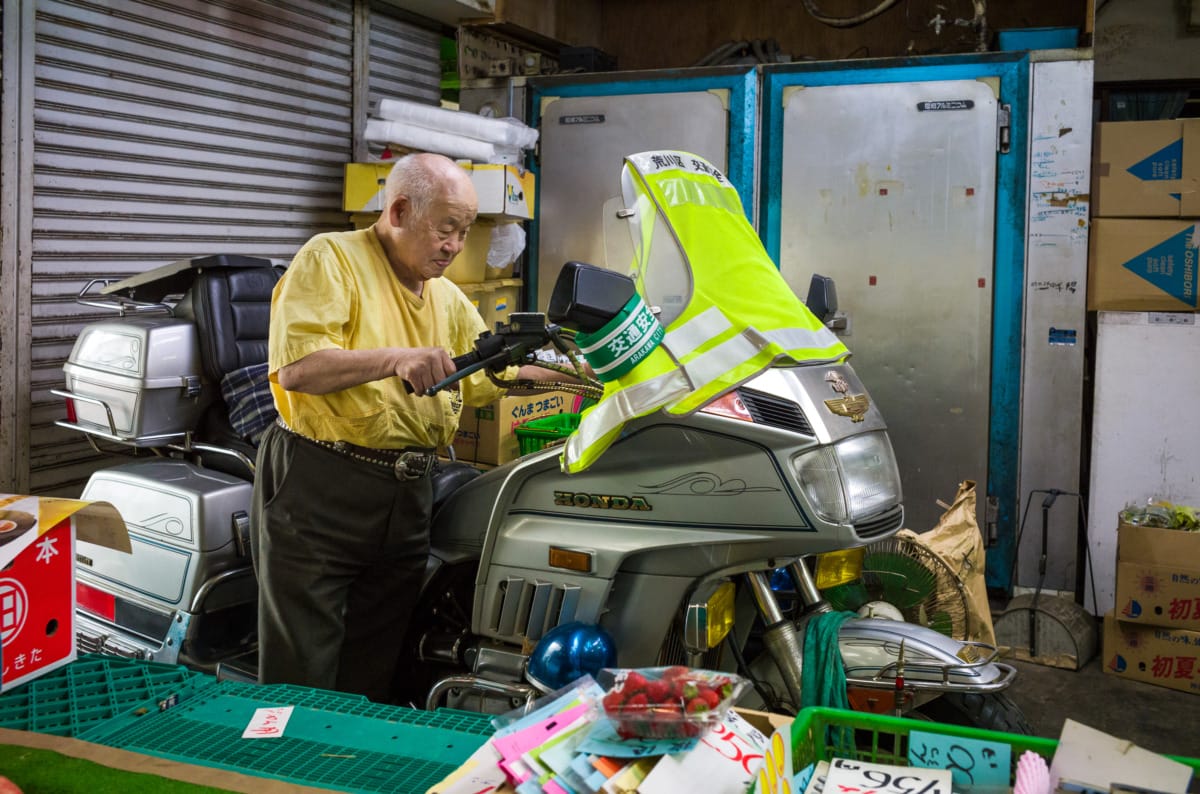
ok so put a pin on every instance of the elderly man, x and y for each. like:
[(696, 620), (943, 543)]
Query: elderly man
[(342, 498)]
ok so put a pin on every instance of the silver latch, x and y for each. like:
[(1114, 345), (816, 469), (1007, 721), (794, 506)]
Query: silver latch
[(192, 385), (1003, 128)]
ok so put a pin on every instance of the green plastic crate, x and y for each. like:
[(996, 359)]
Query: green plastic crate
[(332, 740), (884, 739), (74, 698), (540, 433)]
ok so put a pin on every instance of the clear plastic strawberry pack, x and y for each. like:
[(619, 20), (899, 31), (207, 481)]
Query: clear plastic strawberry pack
[(667, 702)]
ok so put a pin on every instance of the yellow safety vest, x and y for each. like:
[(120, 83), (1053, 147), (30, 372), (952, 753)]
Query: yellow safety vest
[(739, 316)]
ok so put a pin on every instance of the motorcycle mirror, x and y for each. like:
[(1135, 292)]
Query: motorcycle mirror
[(586, 297), (822, 297)]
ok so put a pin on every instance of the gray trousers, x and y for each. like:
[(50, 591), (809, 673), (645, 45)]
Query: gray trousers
[(340, 548)]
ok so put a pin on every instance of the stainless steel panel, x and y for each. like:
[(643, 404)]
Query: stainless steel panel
[(891, 190), (1055, 292), (584, 141)]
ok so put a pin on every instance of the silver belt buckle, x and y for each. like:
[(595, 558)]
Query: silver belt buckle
[(412, 465)]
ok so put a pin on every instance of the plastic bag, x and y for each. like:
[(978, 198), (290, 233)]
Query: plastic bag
[(508, 241)]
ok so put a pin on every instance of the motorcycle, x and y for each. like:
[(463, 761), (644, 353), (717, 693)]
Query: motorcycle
[(674, 542)]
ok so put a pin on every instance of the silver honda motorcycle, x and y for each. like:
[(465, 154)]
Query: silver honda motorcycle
[(689, 541)]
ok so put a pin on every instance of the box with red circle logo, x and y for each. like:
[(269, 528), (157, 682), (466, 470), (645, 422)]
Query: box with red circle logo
[(37, 578)]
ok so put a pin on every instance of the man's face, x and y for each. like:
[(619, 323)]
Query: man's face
[(427, 243)]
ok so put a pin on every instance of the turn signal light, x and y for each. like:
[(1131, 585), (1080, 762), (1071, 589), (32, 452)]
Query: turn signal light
[(571, 559)]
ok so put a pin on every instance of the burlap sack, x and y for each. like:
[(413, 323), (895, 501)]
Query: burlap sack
[(958, 542)]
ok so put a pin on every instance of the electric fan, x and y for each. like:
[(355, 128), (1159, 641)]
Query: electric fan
[(901, 578)]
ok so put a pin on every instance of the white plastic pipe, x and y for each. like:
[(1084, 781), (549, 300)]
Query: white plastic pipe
[(502, 132), (428, 140)]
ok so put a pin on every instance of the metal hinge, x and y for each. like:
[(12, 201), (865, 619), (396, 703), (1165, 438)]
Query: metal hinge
[(991, 517), (1003, 128), (192, 385)]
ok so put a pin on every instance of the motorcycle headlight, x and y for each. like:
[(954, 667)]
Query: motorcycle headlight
[(852, 479)]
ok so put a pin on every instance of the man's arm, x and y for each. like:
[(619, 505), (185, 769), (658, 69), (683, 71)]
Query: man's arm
[(334, 369)]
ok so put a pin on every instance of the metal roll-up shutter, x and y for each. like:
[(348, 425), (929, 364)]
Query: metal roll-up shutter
[(165, 130), (404, 62)]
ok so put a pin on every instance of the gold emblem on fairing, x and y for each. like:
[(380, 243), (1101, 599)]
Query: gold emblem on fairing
[(853, 406)]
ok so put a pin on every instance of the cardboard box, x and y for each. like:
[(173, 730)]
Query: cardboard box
[(494, 299), (1166, 657), (37, 586), (1143, 265), (1158, 577), (485, 435), (505, 191), (362, 186), (501, 300), (1146, 169), (470, 266)]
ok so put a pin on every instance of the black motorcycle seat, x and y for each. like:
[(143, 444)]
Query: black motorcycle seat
[(448, 477)]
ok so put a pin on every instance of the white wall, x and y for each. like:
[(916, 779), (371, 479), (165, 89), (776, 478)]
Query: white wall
[(1145, 40)]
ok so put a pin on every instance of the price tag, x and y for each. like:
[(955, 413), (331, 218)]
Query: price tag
[(972, 762), (268, 723)]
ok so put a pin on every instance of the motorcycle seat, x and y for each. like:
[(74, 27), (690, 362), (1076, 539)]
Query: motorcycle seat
[(231, 308)]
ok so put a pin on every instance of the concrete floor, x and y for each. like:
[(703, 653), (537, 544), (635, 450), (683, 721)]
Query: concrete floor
[(1156, 718)]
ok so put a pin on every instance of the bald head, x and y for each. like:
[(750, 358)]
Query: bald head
[(424, 178)]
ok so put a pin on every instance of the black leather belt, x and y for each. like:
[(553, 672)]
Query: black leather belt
[(409, 463)]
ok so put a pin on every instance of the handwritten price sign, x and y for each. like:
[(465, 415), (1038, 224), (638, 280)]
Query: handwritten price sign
[(268, 723), (972, 762)]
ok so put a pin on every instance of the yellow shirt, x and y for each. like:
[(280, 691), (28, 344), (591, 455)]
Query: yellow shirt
[(340, 292)]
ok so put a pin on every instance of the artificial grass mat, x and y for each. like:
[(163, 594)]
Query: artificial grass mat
[(37, 771)]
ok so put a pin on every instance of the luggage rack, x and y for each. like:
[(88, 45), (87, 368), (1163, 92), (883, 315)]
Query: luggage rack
[(158, 291), (176, 442)]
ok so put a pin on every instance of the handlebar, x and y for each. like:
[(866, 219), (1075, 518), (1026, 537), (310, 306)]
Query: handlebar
[(514, 342)]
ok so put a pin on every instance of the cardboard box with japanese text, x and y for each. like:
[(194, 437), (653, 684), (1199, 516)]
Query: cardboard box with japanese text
[(1156, 655), (504, 191), (485, 435), (1146, 169), (37, 578), (1158, 577), (1143, 265)]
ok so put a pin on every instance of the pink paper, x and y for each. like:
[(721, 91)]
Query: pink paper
[(513, 746)]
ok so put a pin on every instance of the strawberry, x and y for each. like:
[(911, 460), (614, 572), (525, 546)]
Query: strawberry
[(711, 697), (690, 690), (613, 700), (697, 705), (634, 682), (677, 671), (636, 702), (658, 691)]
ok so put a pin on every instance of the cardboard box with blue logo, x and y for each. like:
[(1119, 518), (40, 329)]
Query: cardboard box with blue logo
[(1143, 265), (1146, 169)]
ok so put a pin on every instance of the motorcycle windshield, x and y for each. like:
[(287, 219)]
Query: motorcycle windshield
[(726, 311)]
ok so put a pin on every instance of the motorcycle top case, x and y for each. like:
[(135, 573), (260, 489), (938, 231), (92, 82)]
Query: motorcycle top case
[(37, 578), (146, 370)]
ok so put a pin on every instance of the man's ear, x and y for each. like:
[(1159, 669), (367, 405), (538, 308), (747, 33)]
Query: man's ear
[(400, 212)]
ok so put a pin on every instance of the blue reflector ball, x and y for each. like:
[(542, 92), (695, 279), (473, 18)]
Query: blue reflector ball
[(569, 652)]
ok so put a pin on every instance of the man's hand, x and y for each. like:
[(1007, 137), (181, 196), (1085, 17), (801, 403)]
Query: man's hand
[(422, 367)]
